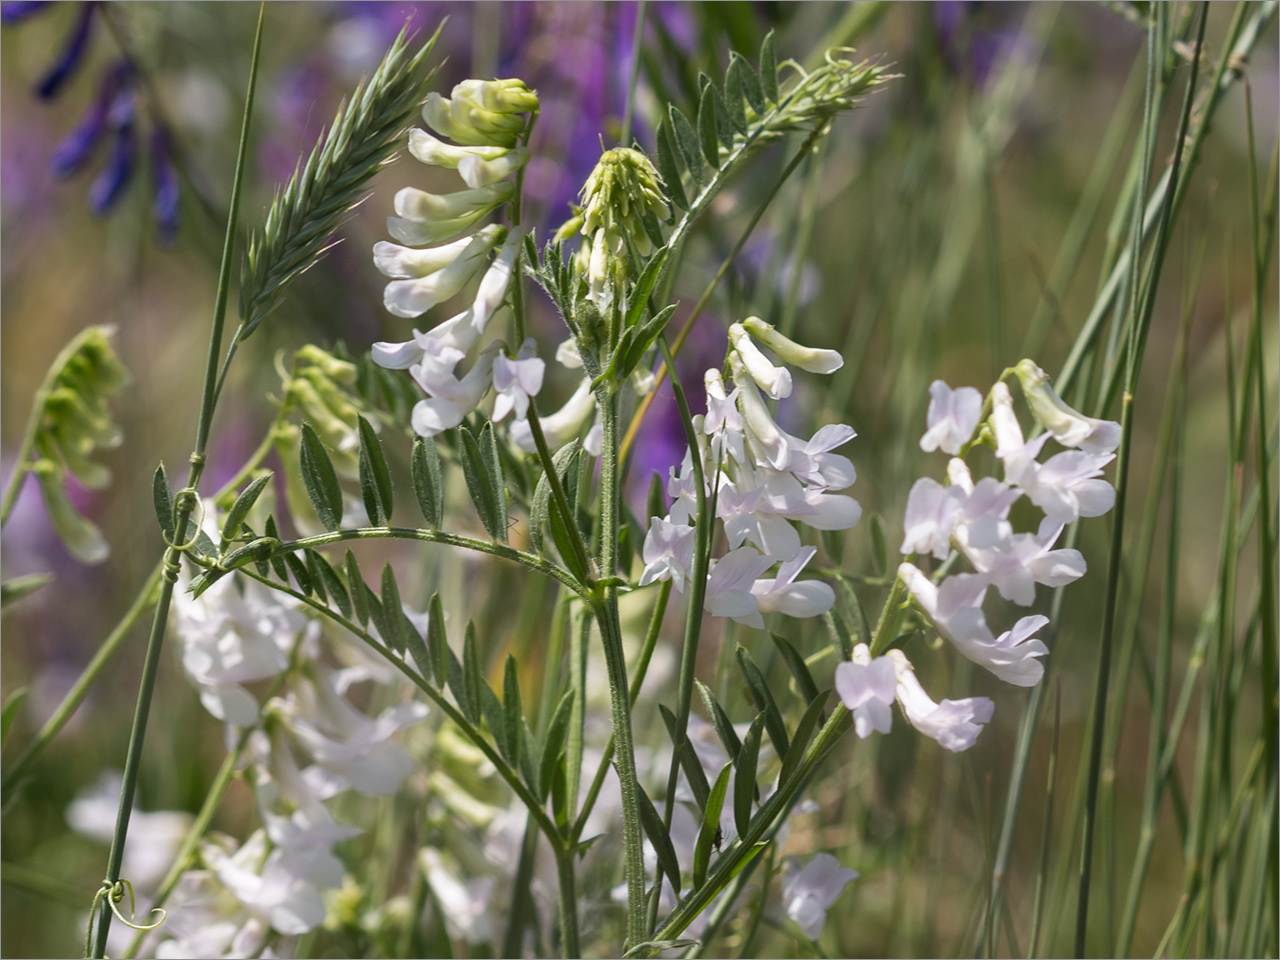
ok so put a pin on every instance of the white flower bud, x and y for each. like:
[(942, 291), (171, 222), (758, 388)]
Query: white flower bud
[(806, 358)]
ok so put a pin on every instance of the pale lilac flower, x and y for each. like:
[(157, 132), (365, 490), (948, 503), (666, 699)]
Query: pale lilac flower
[(723, 422), (450, 399), (154, 838), (1015, 566), (932, 511), (559, 427), (983, 519), (682, 488), (810, 892), (466, 906), (812, 461), (775, 381), (812, 359), (1068, 426), (1065, 488), (729, 586), (668, 553), (868, 687), (516, 381), (284, 888), (954, 724), (952, 417), (808, 598), (765, 439)]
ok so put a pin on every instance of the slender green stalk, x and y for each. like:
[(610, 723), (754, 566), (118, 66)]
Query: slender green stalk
[(606, 612), (184, 507), (565, 860), (1046, 837)]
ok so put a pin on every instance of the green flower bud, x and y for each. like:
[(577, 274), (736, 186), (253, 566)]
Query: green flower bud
[(1068, 426), (498, 96), (621, 190), (77, 532), (339, 371)]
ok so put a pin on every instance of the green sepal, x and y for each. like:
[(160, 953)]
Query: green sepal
[(375, 478), (428, 483), (320, 479), (763, 700), (240, 509)]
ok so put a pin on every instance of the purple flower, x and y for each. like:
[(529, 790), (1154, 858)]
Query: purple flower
[(14, 10), (71, 154), (168, 195), (72, 53), (114, 176)]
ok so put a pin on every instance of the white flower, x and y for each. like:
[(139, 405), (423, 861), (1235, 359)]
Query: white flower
[(812, 461), (668, 553), (775, 381), (450, 399), (810, 892), (464, 905), (463, 122), (1023, 560), (956, 610), (729, 586), (806, 358), (412, 298), (284, 888), (559, 427), (516, 381), (932, 511), (567, 355), (424, 218), (723, 422), (478, 166), (868, 687), (952, 417), (1069, 427), (808, 598), (954, 724), (153, 839)]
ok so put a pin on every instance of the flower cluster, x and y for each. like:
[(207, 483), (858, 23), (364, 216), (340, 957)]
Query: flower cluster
[(760, 479), (443, 250), (973, 519)]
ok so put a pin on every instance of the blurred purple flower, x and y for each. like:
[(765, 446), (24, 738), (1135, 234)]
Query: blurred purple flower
[(11, 11), (71, 154), (115, 175), (168, 196), (72, 54), (974, 37)]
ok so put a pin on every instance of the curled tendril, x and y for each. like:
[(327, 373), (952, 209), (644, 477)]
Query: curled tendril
[(187, 494), (114, 893)]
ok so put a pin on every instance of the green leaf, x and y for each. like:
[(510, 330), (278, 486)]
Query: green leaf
[(240, 509), (687, 144), (320, 479), (744, 781), (495, 717), (833, 544), (708, 128), (480, 486), (661, 840), (437, 641), (471, 679), (428, 484), (392, 629), (689, 762), (720, 720), (359, 592), (277, 562), (656, 503), (553, 743), (724, 123), (10, 711), (527, 757), (853, 600), (333, 584), (743, 79), (497, 477), (317, 583), (879, 546), (375, 478), (763, 700), (644, 338), (458, 685), (11, 591), (565, 461), (735, 95), (418, 650), (203, 581), (162, 499), (668, 170), (769, 69), (799, 669), (650, 947), (648, 279), (300, 574), (512, 712), (808, 726), (709, 832)]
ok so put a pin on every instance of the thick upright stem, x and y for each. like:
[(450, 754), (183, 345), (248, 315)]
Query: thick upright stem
[(606, 611)]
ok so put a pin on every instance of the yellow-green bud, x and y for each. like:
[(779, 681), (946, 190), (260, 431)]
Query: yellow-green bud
[(622, 188)]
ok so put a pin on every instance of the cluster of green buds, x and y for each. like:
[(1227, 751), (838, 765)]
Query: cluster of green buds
[(74, 422), (321, 389), (820, 94), (622, 202)]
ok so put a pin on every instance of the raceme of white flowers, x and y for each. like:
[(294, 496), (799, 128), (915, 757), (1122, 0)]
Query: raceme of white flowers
[(761, 479), (444, 251), (972, 518)]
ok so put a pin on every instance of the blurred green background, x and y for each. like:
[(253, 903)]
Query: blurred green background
[(932, 222)]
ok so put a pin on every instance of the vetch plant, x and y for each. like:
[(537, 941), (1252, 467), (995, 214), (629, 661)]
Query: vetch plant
[(473, 700)]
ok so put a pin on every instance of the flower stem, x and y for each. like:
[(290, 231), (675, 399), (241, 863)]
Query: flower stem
[(185, 506)]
